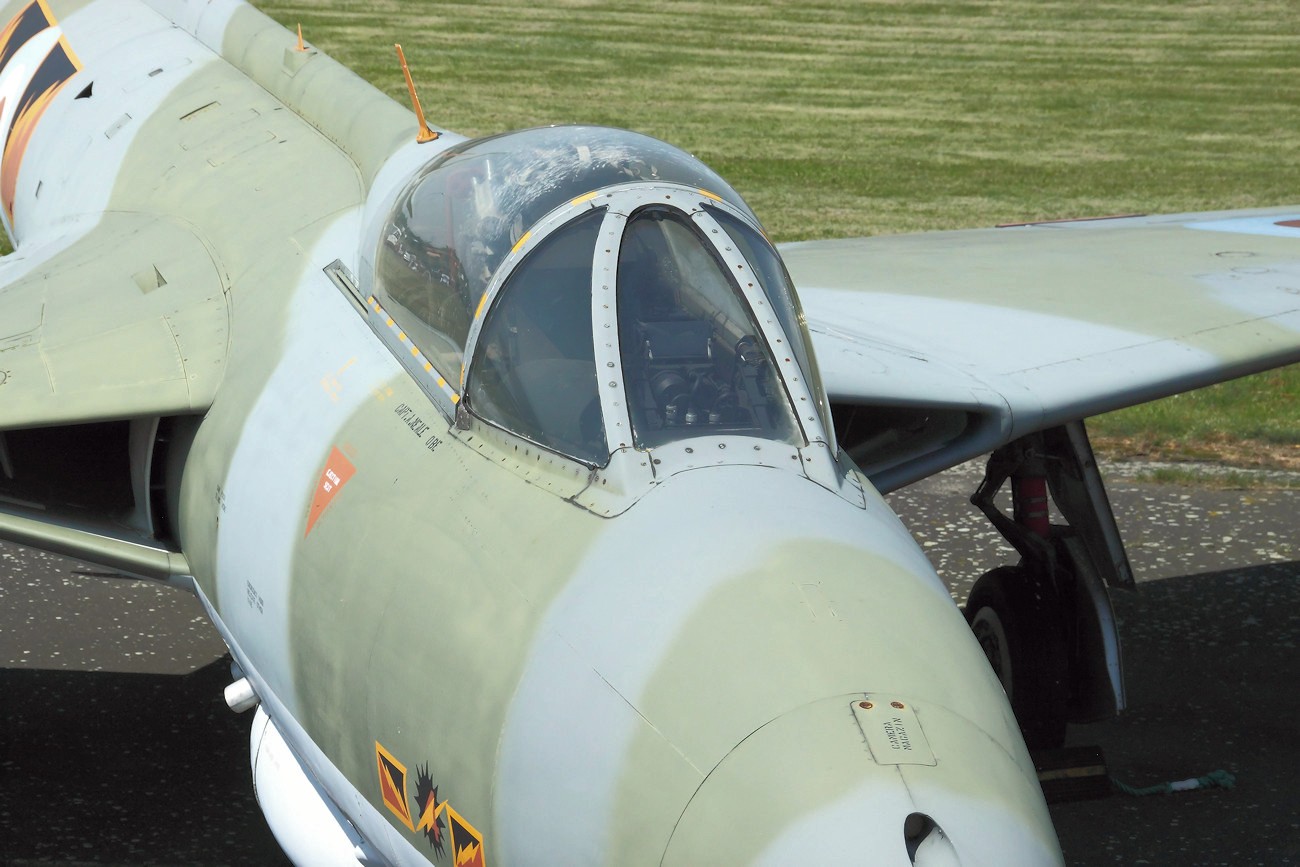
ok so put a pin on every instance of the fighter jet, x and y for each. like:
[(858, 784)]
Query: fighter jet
[(542, 522)]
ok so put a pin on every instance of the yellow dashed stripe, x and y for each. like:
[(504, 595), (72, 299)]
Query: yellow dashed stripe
[(415, 350)]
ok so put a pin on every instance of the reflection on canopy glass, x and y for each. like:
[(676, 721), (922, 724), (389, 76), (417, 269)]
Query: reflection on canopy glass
[(779, 289), (534, 370), (463, 213), (694, 360)]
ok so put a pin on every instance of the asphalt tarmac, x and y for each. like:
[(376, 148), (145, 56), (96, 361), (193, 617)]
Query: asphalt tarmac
[(1213, 675), (117, 748)]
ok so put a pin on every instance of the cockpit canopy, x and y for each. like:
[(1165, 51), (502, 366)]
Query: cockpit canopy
[(459, 217), (608, 289)]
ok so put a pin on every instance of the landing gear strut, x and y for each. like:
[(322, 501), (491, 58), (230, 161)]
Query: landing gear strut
[(1046, 623)]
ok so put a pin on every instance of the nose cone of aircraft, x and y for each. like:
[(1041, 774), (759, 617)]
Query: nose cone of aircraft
[(866, 779), (676, 699)]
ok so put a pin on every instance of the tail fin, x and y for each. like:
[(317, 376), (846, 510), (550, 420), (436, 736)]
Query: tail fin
[(39, 63)]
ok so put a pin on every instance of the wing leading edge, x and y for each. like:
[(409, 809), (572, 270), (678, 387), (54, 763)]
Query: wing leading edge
[(129, 320), (970, 339)]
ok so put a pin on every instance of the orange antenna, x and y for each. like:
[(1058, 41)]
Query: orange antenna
[(301, 47), (425, 134)]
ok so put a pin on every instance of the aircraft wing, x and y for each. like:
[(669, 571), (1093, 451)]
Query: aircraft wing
[(938, 347), (124, 318), (193, 160)]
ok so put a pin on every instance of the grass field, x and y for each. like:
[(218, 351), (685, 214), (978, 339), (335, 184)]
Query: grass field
[(840, 118), (848, 118)]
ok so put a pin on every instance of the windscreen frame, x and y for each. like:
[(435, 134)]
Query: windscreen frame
[(619, 203)]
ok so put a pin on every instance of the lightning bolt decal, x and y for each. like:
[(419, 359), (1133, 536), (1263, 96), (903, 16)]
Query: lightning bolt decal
[(392, 785)]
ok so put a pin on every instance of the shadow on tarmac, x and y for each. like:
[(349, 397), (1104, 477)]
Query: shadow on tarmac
[(1212, 673), (110, 768)]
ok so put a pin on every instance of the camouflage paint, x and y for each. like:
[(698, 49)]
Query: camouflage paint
[(682, 675)]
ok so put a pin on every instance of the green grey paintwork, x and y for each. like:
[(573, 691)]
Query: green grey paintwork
[(1151, 276), (417, 600)]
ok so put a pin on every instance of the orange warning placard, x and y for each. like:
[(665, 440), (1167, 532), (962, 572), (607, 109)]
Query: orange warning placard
[(338, 469)]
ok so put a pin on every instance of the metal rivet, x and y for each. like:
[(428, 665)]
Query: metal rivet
[(896, 704), (865, 705)]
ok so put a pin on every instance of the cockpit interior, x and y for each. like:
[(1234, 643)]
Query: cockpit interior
[(578, 283)]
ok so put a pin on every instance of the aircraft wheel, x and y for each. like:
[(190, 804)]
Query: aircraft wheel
[(1016, 617)]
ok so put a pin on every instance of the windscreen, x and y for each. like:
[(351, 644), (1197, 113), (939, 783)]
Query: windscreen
[(779, 289), (694, 360), (534, 371)]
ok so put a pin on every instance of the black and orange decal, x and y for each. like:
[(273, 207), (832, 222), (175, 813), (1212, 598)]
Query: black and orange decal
[(430, 810), (436, 819), (466, 842), (392, 785), (34, 91), (49, 79), (26, 24)]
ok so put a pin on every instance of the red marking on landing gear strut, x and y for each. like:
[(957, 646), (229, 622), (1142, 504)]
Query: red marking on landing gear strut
[(1031, 504)]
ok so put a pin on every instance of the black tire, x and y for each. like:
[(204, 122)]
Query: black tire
[(1017, 618)]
